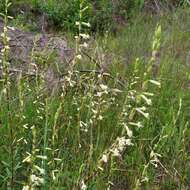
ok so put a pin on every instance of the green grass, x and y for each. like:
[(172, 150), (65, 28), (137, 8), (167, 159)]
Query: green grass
[(65, 134)]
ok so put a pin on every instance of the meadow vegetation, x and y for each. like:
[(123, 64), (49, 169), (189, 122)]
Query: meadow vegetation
[(116, 118)]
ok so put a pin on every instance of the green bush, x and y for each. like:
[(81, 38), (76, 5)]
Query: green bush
[(100, 14), (103, 14), (61, 13)]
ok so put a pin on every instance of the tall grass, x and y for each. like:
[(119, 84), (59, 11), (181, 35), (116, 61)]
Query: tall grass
[(116, 121)]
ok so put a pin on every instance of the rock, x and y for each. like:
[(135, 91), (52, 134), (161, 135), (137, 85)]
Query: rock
[(27, 47), (30, 52)]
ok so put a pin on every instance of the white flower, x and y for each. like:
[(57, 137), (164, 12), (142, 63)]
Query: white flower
[(41, 157), (3, 50), (26, 187), (146, 115), (77, 23), (147, 100), (104, 158), (41, 170), (4, 91), (129, 132), (85, 45), (11, 28), (155, 83), (94, 111), (115, 152), (115, 90), (128, 142), (25, 126), (7, 47), (54, 174), (122, 142), (100, 118), (103, 87), (138, 124), (145, 179), (99, 94), (83, 126), (86, 24), (84, 36), (148, 94), (79, 57), (83, 185), (36, 180), (2, 35), (33, 178), (28, 158)]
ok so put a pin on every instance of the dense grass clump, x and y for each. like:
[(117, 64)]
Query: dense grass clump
[(118, 118)]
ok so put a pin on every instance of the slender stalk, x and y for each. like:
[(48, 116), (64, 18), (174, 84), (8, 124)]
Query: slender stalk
[(6, 86)]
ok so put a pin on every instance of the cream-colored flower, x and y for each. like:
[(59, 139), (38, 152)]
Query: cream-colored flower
[(83, 185), (85, 36), (104, 158), (129, 132), (79, 56), (26, 187)]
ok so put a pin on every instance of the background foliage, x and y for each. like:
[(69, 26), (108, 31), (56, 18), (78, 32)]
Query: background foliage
[(102, 14)]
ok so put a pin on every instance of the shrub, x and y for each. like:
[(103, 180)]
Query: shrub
[(101, 14)]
